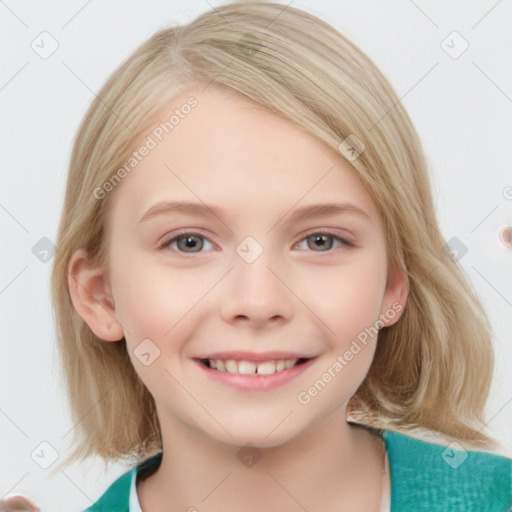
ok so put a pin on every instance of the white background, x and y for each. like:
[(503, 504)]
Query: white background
[(462, 109)]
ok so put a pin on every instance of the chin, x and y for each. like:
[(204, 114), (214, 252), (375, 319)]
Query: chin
[(257, 436)]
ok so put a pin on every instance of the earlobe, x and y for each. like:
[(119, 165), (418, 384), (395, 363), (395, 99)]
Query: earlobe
[(90, 293), (395, 296)]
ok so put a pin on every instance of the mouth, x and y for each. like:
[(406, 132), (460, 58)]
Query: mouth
[(250, 372), (248, 367)]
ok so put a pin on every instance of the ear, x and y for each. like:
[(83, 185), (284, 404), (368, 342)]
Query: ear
[(90, 293), (395, 295)]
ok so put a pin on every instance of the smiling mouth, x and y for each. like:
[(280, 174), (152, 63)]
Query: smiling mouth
[(244, 367)]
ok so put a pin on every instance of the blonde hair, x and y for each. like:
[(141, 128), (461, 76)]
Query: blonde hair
[(432, 369)]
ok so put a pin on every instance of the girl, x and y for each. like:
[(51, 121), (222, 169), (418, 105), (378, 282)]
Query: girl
[(254, 301)]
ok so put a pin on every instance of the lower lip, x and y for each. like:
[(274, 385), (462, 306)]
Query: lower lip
[(256, 382)]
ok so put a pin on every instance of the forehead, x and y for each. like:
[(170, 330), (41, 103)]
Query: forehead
[(215, 145)]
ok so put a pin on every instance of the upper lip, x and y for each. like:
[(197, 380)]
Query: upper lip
[(256, 356)]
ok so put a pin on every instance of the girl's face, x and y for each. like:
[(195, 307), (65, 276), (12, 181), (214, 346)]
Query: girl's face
[(254, 272)]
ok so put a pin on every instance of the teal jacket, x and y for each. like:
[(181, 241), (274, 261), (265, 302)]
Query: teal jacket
[(424, 477)]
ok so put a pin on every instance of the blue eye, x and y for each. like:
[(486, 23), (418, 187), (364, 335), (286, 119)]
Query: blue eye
[(190, 242)]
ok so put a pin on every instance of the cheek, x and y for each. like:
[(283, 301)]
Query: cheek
[(151, 298), (346, 299), (160, 309), (139, 305)]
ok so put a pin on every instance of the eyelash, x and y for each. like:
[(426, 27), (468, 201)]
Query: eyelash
[(182, 234)]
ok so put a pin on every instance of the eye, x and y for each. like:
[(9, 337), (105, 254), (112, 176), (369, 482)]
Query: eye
[(185, 241), (191, 242), (324, 240)]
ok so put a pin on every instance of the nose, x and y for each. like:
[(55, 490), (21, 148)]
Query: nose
[(257, 292)]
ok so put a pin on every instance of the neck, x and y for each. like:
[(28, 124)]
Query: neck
[(332, 466)]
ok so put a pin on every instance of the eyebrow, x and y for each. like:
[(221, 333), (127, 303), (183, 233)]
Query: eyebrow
[(313, 210)]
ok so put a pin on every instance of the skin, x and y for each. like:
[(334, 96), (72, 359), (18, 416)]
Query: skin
[(296, 296)]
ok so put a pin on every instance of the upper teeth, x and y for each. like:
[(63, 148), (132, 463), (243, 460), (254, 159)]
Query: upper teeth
[(250, 367)]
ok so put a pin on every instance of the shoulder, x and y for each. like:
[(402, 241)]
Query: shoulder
[(117, 497), (448, 477)]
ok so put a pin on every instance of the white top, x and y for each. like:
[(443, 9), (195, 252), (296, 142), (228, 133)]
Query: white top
[(135, 505)]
